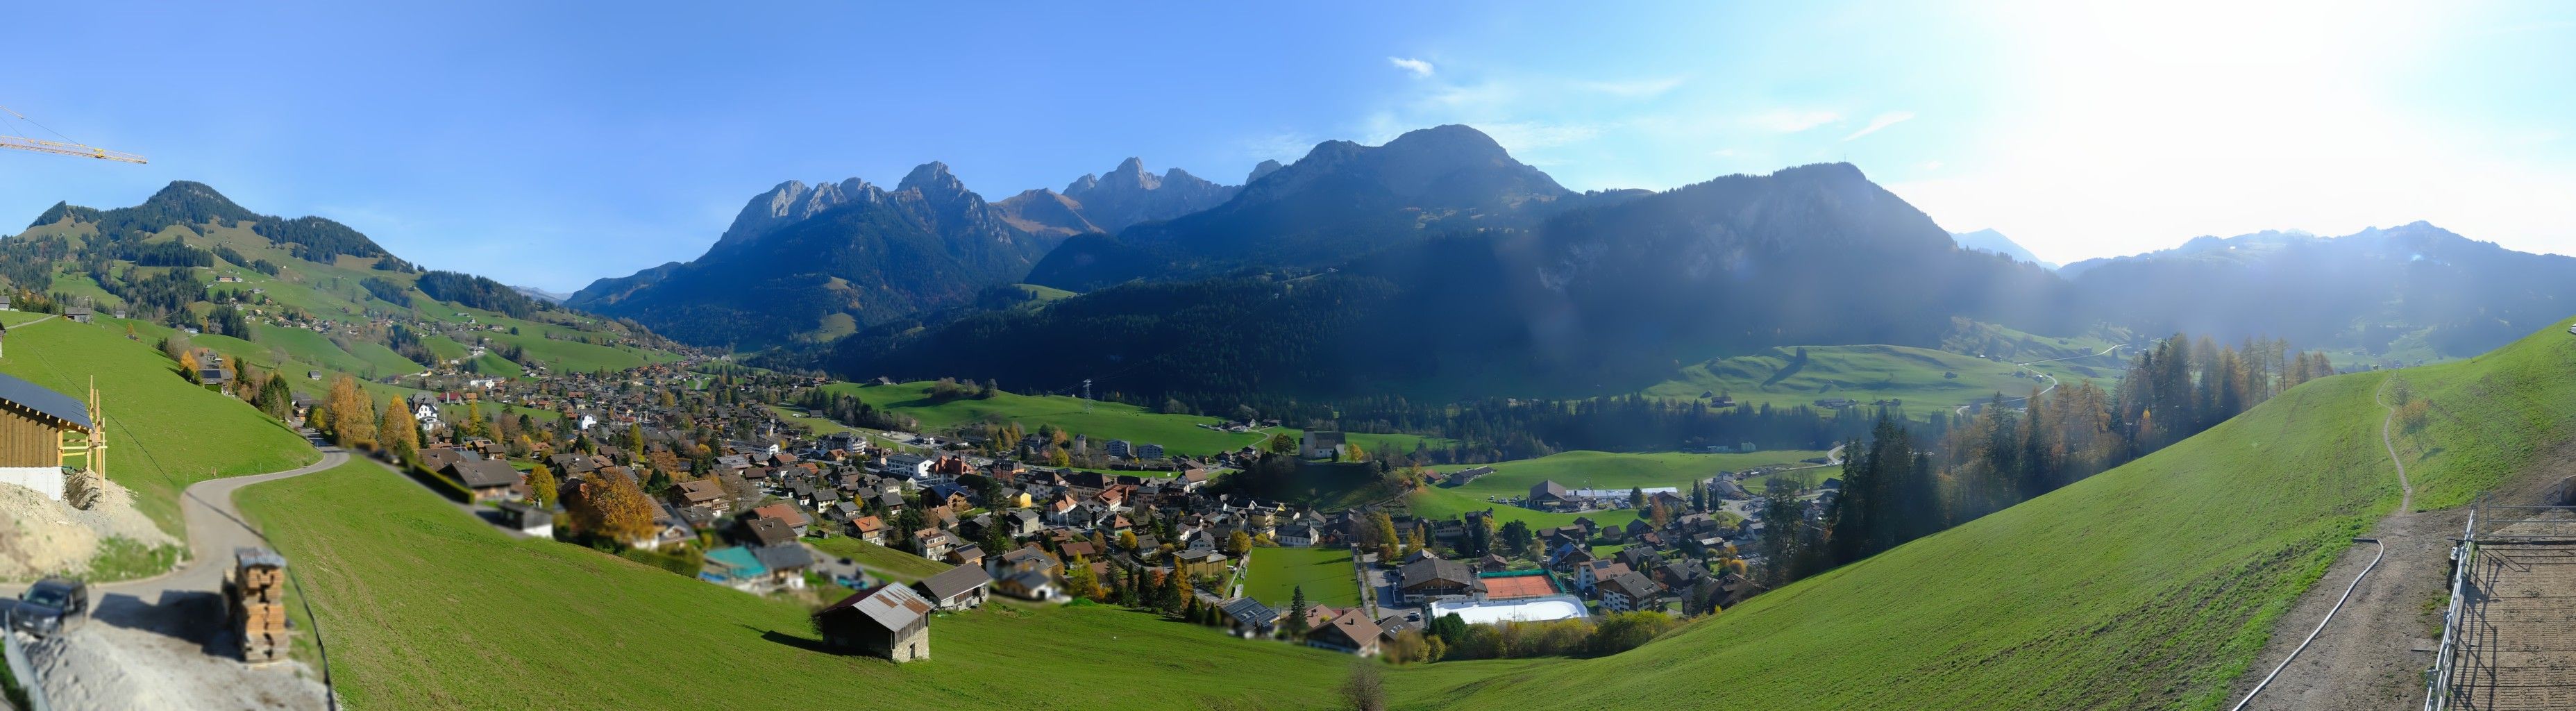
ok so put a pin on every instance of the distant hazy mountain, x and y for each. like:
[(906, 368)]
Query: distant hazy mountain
[(804, 262), (1610, 291), (1341, 201), (1992, 241), (2415, 288), (551, 297)]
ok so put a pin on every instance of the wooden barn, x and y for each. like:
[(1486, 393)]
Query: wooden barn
[(37, 427)]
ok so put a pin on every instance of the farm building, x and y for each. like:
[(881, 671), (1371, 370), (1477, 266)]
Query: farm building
[(37, 426), (890, 621)]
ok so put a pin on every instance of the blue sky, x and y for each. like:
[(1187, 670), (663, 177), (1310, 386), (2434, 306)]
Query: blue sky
[(552, 145)]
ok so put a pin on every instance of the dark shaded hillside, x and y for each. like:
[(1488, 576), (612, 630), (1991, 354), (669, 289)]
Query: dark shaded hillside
[(1599, 297), (2368, 290), (1341, 201), (862, 255)]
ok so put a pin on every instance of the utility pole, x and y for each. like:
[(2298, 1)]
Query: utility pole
[(1086, 394)]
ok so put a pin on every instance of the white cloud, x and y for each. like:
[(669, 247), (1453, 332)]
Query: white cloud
[(1932, 165), (1882, 121), (1791, 120), (1417, 67)]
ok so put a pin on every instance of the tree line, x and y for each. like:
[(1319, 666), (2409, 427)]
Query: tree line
[(1902, 484)]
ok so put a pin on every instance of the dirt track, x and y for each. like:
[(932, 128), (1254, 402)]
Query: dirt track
[(2374, 654)]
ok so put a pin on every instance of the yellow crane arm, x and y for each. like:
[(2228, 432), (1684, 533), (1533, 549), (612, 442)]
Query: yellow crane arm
[(67, 149)]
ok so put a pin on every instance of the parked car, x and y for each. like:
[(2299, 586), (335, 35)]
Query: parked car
[(50, 606)]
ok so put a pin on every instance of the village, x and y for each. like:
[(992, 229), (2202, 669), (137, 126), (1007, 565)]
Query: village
[(885, 530)]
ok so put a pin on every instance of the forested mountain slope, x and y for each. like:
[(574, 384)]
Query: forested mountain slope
[(1607, 295)]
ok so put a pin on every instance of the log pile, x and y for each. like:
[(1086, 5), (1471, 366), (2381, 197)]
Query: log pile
[(257, 590)]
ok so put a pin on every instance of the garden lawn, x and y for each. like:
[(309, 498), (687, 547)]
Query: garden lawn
[(1325, 574)]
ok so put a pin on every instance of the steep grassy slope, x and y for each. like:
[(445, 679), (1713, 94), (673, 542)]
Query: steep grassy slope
[(424, 607), (2150, 585), (163, 433)]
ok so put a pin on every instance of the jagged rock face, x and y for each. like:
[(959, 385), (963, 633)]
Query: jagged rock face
[(1129, 195), (801, 261), (791, 201)]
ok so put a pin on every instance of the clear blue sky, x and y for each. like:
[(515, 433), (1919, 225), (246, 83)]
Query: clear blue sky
[(551, 146)]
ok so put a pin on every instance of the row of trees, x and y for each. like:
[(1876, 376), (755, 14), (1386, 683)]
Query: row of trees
[(1902, 484)]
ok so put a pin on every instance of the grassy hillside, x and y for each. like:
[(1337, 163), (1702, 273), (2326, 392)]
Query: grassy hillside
[(2153, 584), (1101, 421), (424, 607), (163, 433), (1582, 469), (1916, 375)]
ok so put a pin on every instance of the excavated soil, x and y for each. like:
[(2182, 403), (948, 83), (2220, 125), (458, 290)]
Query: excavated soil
[(41, 536)]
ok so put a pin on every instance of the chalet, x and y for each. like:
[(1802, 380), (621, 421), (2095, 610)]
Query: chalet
[(890, 621), (1463, 476), (1195, 563), (1299, 535), (528, 520), (959, 588), (1628, 592), (868, 528), (1028, 586), (966, 556), (766, 532), (1434, 578), (933, 543), (79, 314), (1352, 632), (35, 428), (703, 494), (437, 458), (1590, 573), (786, 562), (1552, 496), (1321, 445), (785, 513), (488, 479), (1119, 448), (1250, 618)]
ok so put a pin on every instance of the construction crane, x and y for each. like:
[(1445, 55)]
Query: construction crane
[(66, 146)]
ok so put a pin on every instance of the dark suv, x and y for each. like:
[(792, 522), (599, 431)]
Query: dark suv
[(50, 606)]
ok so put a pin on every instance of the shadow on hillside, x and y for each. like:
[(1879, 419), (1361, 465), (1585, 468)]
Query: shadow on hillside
[(774, 636)]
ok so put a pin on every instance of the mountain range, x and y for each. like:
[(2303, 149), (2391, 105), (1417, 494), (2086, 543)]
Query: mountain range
[(809, 263)]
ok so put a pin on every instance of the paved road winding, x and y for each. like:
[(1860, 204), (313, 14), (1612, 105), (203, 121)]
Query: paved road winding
[(2052, 379)]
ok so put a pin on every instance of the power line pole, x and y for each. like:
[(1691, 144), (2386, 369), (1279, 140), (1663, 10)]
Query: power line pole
[(1086, 394)]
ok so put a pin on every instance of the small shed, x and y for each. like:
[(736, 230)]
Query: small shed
[(34, 422), (889, 621)]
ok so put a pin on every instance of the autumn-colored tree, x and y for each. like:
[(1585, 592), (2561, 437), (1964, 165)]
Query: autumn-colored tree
[(188, 366), (1238, 544), (541, 486), (613, 507), (397, 430), (353, 421)]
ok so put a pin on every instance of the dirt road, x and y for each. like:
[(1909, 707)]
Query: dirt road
[(161, 642)]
